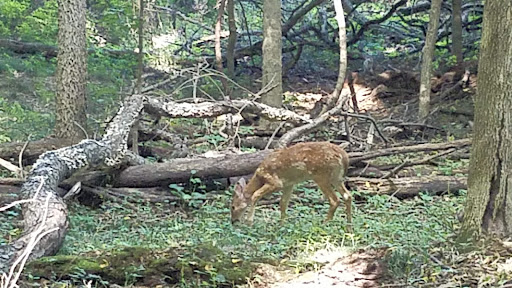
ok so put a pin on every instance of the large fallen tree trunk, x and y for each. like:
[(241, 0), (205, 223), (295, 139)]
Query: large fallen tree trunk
[(173, 109), (45, 215), (181, 170)]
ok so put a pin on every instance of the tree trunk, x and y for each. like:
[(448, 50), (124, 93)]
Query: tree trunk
[(340, 18), (271, 49), (489, 202), (70, 119), (218, 52), (457, 33), (134, 134), (230, 51), (428, 56)]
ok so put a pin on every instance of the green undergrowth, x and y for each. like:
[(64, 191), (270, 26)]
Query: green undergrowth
[(406, 227)]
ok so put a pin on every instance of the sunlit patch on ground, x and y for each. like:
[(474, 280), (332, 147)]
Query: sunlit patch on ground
[(340, 268)]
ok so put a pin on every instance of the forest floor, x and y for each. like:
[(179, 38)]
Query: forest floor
[(395, 243)]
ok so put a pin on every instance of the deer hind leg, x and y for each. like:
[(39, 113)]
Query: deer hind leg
[(265, 189), (347, 198), (330, 194), (285, 200)]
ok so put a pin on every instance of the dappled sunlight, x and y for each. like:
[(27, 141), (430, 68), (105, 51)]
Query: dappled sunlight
[(335, 268)]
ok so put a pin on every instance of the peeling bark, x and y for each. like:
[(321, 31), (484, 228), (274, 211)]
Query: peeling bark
[(213, 109), (52, 168)]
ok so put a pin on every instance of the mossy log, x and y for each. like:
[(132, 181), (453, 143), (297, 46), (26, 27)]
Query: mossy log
[(204, 263)]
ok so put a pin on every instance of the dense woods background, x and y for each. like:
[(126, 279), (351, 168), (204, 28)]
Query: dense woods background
[(152, 110)]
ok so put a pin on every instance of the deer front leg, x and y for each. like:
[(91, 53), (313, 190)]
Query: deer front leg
[(265, 189)]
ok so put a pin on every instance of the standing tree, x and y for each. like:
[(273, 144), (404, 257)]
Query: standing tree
[(218, 53), (457, 34), (340, 18), (489, 202), (140, 67), (272, 43), (70, 120), (230, 51), (428, 55)]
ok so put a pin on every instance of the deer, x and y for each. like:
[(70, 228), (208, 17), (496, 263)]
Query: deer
[(323, 162)]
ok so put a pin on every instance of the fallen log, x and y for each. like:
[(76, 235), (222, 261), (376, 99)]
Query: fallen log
[(10, 151), (181, 170), (50, 51), (171, 109), (409, 186)]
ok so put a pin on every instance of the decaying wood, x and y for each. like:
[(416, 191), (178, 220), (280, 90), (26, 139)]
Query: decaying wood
[(54, 166), (11, 181), (409, 186), (9, 194), (416, 162), (167, 108)]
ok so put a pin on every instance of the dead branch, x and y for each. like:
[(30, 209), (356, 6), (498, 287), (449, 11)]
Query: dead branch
[(369, 118), (296, 132), (418, 162), (360, 156)]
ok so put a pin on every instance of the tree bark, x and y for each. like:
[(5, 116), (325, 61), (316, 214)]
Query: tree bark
[(230, 51), (180, 170), (51, 169), (70, 119), (218, 53), (272, 54), (140, 67), (457, 33), (172, 109), (489, 202), (427, 58)]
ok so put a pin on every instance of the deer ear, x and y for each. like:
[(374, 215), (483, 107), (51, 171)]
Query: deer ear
[(239, 186)]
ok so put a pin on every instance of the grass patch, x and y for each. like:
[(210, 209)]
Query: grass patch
[(408, 228)]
